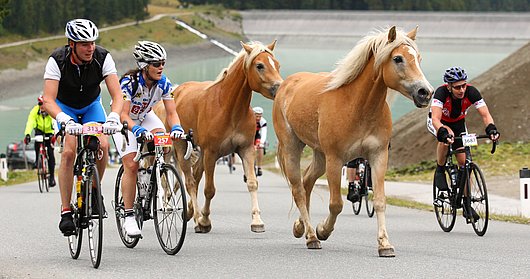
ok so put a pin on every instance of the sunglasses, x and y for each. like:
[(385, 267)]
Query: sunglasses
[(158, 64), (458, 87)]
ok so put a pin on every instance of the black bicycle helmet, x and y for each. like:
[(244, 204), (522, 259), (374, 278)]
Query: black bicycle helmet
[(454, 74)]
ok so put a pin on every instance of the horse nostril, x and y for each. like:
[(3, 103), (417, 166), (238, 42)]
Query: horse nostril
[(422, 93)]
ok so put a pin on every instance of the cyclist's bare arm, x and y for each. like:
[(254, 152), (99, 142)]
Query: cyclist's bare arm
[(113, 85), (171, 112), (124, 114), (436, 121), (51, 87)]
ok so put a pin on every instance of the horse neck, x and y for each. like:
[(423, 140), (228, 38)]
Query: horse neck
[(374, 89), (235, 93)]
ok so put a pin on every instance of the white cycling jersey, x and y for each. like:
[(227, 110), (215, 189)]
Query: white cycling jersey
[(143, 100)]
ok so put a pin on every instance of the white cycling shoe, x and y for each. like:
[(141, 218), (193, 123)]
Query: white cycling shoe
[(131, 227)]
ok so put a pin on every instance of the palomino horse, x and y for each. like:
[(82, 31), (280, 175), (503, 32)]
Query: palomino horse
[(220, 115), (343, 115)]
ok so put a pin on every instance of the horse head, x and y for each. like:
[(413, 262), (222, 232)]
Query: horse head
[(262, 69), (401, 68)]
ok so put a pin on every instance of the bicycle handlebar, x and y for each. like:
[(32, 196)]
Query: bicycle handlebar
[(187, 137), (494, 142)]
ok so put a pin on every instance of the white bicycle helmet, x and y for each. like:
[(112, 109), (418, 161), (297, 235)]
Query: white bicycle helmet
[(81, 30), (258, 110), (146, 51)]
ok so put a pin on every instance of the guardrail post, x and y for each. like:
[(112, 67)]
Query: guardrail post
[(524, 180), (3, 167)]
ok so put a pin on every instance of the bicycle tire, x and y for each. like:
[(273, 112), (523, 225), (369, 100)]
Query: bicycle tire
[(369, 198), (40, 174), (479, 199), (45, 174), (445, 210), (170, 218), (95, 222), (119, 211), (75, 241), (230, 164)]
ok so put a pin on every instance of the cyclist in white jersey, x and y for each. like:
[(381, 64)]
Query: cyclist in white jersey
[(142, 88)]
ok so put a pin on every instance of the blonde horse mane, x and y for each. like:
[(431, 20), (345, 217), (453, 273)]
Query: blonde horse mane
[(376, 43), (257, 48)]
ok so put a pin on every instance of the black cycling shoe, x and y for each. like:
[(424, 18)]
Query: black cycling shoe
[(440, 180), (259, 172), (66, 225), (474, 214), (353, 193), (95, 208), (51, 181)]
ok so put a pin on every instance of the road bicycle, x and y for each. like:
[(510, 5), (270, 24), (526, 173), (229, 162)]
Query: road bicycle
[(87, 204), (467, 189), (363, 180), (42, 165), (160, 194)]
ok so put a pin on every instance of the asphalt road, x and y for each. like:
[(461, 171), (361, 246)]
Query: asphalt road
[(32, 247)]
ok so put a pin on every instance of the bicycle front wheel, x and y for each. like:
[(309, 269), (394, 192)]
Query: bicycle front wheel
[(45, 174), (444, 208), (169, 209), (119, 210), (41, 173), (479, 199), (74, 241), (369, 198), (95, 216)]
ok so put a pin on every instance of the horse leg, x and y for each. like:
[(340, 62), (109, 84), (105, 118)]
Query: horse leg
[(378, 165), (333, 171), (248, 156), (316, 169), (190, 182), (204, 225), (289, 159)]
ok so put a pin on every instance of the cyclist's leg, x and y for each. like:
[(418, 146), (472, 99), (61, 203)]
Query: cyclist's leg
[(95, 113), (66, 166), (259, 159)]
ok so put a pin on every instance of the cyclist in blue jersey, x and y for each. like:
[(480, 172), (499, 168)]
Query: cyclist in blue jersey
[(446, 120), (72, 96), (142, 88)]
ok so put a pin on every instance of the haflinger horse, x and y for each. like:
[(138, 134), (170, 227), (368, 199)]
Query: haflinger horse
[(343, 115), (223, 123)]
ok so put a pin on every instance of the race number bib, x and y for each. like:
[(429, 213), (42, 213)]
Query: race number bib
[(162, 139), (470, 140), (93, 129)]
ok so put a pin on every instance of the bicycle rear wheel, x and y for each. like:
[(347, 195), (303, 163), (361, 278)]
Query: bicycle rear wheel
[(95, 220), (41, 173), (444, 208), (119, 210), (369, 198), (357, 205), (479, 199), (74, 241), (45, 174), (169, 209)]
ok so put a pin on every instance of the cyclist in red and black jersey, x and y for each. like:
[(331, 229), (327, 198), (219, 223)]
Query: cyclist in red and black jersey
[(447, 117)]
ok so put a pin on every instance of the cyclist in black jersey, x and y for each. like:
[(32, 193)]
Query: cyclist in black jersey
[(72, 96), (446, 119)]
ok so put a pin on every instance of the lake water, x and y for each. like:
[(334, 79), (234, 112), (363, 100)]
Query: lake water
[(13, 113)]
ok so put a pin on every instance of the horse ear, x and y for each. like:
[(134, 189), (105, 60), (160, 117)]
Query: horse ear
[(272, 45), (247, 48), (412, 33), (391, 34)]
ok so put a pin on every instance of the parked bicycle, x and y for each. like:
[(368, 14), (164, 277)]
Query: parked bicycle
[(363, 180), (467, 190), (42, 162), (160, 195), (87, 204)]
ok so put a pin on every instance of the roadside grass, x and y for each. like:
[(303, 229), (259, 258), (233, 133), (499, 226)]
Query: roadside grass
[(18, 177), (164, 31)]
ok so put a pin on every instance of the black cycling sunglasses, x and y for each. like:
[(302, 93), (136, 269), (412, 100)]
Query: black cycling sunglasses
[(458, 87), (158, 64)]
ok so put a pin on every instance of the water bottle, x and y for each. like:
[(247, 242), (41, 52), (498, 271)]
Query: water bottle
[(143, 181)]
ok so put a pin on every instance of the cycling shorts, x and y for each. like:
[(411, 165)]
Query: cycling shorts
[(94, 112), (354, 163), (150, 123)]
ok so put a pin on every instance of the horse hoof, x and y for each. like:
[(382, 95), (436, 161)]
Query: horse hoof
[(321, 236), (202, 229), (257, 228), (314, 245), (387, 252), (298, 229)]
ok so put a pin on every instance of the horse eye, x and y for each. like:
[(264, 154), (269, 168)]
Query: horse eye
[(260, 66), (398, 59)]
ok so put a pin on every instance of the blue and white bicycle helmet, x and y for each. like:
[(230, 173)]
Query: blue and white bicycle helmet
[(81, 30), (454, 74)]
